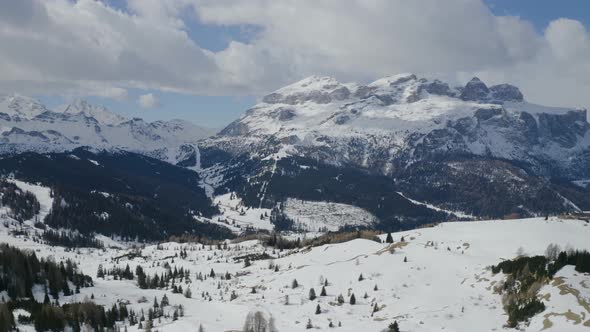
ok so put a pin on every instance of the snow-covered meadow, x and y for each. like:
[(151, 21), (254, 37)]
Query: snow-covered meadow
[(445, 285), (436, 279)]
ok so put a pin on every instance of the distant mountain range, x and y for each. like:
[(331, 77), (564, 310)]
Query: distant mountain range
[(27, 125), (408, 150)]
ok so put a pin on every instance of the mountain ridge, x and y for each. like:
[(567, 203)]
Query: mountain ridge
[(27, 125), (482, 150)]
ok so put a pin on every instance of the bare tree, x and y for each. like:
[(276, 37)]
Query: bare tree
[(552, 251), (257, 322)]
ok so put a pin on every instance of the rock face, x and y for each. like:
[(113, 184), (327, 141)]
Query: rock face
[(475, 90), (397, 123)]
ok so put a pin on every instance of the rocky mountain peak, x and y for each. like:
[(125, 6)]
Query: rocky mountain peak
[(99, 113), (475, 90), (21, 106), (316, 89)]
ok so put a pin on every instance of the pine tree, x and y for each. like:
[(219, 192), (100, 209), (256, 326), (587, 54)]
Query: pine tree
[(312, 295), (164, 302), (361, 278), (100, 272), (405, 259), (46, 299), (389, 238), (323, 292), (318, 310), (294, 284), (393, 327), (352, 299), (156, 306), (6, 318), (340, 299)]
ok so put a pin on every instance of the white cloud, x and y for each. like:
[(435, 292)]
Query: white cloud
[(72, 47), (148, 101), (113, 93)]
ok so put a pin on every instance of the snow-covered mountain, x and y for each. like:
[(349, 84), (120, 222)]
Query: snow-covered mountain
[(27, 125), (459, 148), (100, 113), (406, 118)]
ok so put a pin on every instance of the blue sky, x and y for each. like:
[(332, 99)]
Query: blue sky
[(541, 12), (221, 107)]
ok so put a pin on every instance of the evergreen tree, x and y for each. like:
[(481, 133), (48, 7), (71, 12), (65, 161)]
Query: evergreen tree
[(6, 318), (312, 295), (100, 272), (389, 238), (318, 310), (323, 292), (164, 302), (156, 306), (393, 327), (352, 299), (187, 293)]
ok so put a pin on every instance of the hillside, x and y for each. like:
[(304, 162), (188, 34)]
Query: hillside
[(119, 194), (445, 283)]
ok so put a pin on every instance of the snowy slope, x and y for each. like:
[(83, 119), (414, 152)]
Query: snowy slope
[(446, 284), (240, 217), (43, 195), (325, 216)]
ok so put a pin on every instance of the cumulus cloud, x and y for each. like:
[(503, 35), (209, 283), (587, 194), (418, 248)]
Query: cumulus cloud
[(87, 43), (148, 101)]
